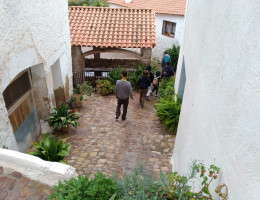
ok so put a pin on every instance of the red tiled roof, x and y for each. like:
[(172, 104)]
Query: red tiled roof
[(112, 27), (173, 7)]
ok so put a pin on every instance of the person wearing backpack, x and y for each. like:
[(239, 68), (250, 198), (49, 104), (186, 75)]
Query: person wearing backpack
[(143, 84), (151, 77), (156, 82), (166, 58), (167, 71)]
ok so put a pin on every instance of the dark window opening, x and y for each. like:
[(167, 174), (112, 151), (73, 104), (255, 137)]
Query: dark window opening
[(169, 28), (16, 90), (182, 81)]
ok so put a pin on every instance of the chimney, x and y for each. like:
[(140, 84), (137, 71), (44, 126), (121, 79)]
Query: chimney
[(128, 1)]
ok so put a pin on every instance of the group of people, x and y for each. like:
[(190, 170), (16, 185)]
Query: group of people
[(147, 83)]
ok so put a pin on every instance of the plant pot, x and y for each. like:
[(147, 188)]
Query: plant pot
[(73, 110), (78, 102), (64, 129)]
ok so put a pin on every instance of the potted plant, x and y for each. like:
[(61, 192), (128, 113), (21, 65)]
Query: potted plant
[(51, 149), (62, 118), (80, 90), (78, 96), (104, 87), (72, 104)]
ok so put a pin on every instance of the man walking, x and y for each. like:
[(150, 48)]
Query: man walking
[(123, 90)]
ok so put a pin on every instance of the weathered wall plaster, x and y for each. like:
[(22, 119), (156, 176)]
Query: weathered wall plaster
[(219, 121), (33, 33), (164, 42), (35, 168)]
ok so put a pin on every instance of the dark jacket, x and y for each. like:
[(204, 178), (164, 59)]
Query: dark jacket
[(167, 71), (151, 77), (144, 82)]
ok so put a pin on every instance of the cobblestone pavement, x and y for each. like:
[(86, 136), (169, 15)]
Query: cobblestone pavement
[(14, 186), (104, 144)]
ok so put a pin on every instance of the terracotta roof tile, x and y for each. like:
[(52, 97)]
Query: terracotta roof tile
[(112, 27), (173, 7)]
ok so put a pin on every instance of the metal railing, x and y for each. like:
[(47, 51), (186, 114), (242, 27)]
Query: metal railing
[(90, 76)]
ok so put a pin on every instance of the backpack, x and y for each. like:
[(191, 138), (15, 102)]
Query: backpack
[(142, 83), (166, 59), (155, 81), (166, 72)]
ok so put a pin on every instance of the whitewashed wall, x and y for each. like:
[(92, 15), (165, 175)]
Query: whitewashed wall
[(46, 172), (164, 42), (31, 33), (220, 116)]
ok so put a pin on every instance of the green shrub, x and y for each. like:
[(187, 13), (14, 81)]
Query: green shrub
[(78, 3), (115, 75), (99, 188), (94, 3), (132, 76), (140, 185), (98, 3), (168, 110), (62, 118), (83, 89), (104, 87), (179, 187), (174, 53), (51, 149), (166, 88)]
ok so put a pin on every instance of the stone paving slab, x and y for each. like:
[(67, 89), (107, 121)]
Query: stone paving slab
[(14, 186), (104, 144)]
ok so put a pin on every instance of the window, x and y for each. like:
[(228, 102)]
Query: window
[(169, 29), (16, 89)]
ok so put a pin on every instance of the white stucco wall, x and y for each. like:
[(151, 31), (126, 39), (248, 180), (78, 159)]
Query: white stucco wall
[(220, 114), (31, 33), (35, 168), (164, 42), (111, 5)]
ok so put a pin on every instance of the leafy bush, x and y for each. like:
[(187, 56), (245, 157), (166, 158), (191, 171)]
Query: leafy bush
[(83, 89), (179, 187), (98, 188), (78, 3), (166, 88), (72, 103), (63, 118), (168, 110), (104, 87), (140, 185), (94, 3), (51, 149), (115, 75), (98, 3), (174, 53)]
